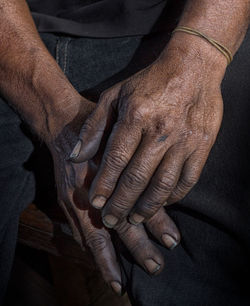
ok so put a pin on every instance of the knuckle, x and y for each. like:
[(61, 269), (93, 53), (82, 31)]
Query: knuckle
[(118, 206), (206, 140), (165, 183), (115, 159), (96, 242), (135, 114), (89, 124), (186, 133), (176, 195), (139, 113), (104, 185), (109, 94), (203, 135), (149, 208), (104, 96), (134, 179), (187, 182), (206, 136), (122, 228)]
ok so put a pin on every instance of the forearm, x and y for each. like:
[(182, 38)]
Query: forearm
[(223, 20), (30, 79)]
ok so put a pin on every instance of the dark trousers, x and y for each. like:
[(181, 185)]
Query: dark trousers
[(212, 262)]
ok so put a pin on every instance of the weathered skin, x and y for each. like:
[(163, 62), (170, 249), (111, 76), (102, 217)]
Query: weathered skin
[(166, 118), (73, 181), (173, 109), (33, 83)]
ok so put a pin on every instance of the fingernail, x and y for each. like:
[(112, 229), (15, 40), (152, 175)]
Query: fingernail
[(109, 221), (165, 203), (152, 266), (169, 241), (98, 202), (136, 219), (116, 287), (76, 150)]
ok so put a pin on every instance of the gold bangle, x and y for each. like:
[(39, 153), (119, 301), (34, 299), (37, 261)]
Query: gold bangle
[(224, 50)]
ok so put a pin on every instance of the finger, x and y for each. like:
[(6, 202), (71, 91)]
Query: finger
[(163, 228), (103, 251), (189, 177), (134, 180), (93, 129), (140, 247), (98, 240), (120, 147), (73, 222), (161, 185)]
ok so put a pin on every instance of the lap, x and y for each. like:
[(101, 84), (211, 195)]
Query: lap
[(17, 186), (209, 265), (17, 183)]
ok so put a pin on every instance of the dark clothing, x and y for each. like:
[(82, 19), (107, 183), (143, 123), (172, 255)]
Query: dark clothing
[(86, 62), (211, 265), (17, 186), (96, 18)]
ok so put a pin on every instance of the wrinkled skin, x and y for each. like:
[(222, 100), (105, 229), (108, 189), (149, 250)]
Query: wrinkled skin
[(73, 182), (165, 121), (166, 117)]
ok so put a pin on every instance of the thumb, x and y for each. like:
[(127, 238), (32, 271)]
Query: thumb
[(92, 132)]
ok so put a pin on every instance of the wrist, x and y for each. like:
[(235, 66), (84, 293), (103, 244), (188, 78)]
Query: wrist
[(39, 91), (59, 113), (58, 100), (225, 21), (195, 52)]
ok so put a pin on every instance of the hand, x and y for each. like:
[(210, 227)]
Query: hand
[(73, 183), (33, 83), (165, 121)]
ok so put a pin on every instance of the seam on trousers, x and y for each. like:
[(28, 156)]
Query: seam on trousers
[(65, 56), (57, 50)]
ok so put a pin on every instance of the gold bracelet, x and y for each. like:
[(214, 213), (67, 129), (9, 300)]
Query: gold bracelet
[(224, 50)]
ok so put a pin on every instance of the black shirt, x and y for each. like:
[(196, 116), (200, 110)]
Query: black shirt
[(96, 18)]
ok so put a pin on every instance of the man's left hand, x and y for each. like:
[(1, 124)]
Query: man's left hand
[(165, 121)]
